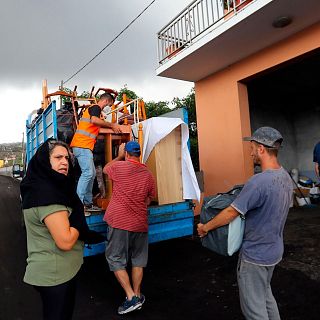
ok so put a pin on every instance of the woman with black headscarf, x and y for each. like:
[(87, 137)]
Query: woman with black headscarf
[(55, 224)]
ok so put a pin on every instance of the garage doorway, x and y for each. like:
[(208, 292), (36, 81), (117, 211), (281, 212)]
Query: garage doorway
[(288, 98)]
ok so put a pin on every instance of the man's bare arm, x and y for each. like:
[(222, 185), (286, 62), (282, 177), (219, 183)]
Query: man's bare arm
[(105, 124), (223, 218), (121, 156)]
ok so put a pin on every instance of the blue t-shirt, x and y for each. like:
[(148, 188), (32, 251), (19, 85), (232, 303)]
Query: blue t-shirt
[(264, 201), (316, 153)]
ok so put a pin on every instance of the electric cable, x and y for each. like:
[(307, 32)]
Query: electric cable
[(114, 39)]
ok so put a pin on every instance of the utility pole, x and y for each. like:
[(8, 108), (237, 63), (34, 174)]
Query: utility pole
[(22, 155)]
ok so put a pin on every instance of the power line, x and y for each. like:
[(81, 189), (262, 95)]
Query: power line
[(114, 39)]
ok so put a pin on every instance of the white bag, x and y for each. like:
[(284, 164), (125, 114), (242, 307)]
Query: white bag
[(235, 235)]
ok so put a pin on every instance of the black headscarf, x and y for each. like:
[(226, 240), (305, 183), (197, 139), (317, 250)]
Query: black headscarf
[(44, 186)]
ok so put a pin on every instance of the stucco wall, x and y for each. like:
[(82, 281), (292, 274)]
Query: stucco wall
[(223, 114)]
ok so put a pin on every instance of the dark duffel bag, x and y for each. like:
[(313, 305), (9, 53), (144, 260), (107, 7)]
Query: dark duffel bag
[(227, 239)]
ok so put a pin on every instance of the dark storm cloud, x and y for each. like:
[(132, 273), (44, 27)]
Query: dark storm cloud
[(53, 39)]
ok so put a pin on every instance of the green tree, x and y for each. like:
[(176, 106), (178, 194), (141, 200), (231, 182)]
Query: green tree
[(65, 99), (130, 94), (189, 103), (194, 152), (84, 94), (155, 109)]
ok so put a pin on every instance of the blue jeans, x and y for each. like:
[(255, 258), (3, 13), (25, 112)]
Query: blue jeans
[(256, 298), (88, 173)]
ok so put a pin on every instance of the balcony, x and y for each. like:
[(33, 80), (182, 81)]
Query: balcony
[(210, 35)]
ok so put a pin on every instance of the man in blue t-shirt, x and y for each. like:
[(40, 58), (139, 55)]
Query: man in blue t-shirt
[(264, 203), (316, 158)]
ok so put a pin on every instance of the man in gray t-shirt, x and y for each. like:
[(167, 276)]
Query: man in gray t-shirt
[(264, 202)]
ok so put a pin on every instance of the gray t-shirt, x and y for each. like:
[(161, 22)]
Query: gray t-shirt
[(264, 201)]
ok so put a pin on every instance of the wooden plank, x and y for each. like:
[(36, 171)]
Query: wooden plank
[(165, 164)]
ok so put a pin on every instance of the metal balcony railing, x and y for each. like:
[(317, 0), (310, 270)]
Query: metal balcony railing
[(192, 22)]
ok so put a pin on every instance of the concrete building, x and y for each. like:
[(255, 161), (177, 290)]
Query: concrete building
[(254, 63)]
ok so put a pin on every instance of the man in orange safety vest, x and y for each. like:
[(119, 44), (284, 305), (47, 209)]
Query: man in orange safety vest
[(83, 143)]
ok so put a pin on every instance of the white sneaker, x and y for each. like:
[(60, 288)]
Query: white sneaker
[(92, 208), (87, 213)]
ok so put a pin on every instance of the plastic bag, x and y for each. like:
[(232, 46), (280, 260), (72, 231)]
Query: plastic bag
[(225, 240)]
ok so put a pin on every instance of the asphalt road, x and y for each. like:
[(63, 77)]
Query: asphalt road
[(182, 281), (6, 171)]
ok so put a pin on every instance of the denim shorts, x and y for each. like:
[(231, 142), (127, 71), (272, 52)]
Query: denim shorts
[(126, 246)]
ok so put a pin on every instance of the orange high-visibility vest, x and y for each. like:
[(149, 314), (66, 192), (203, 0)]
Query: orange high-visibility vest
[(86, 133)]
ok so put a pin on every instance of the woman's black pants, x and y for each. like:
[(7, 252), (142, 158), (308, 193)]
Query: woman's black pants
[(58, 301)]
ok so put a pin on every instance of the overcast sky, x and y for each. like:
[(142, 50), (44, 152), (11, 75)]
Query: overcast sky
[(52, 39)]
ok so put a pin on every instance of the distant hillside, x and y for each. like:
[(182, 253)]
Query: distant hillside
[(12, 152)]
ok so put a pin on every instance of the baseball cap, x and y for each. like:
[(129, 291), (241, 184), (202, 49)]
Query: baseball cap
[(132, 146), (266, 136)]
